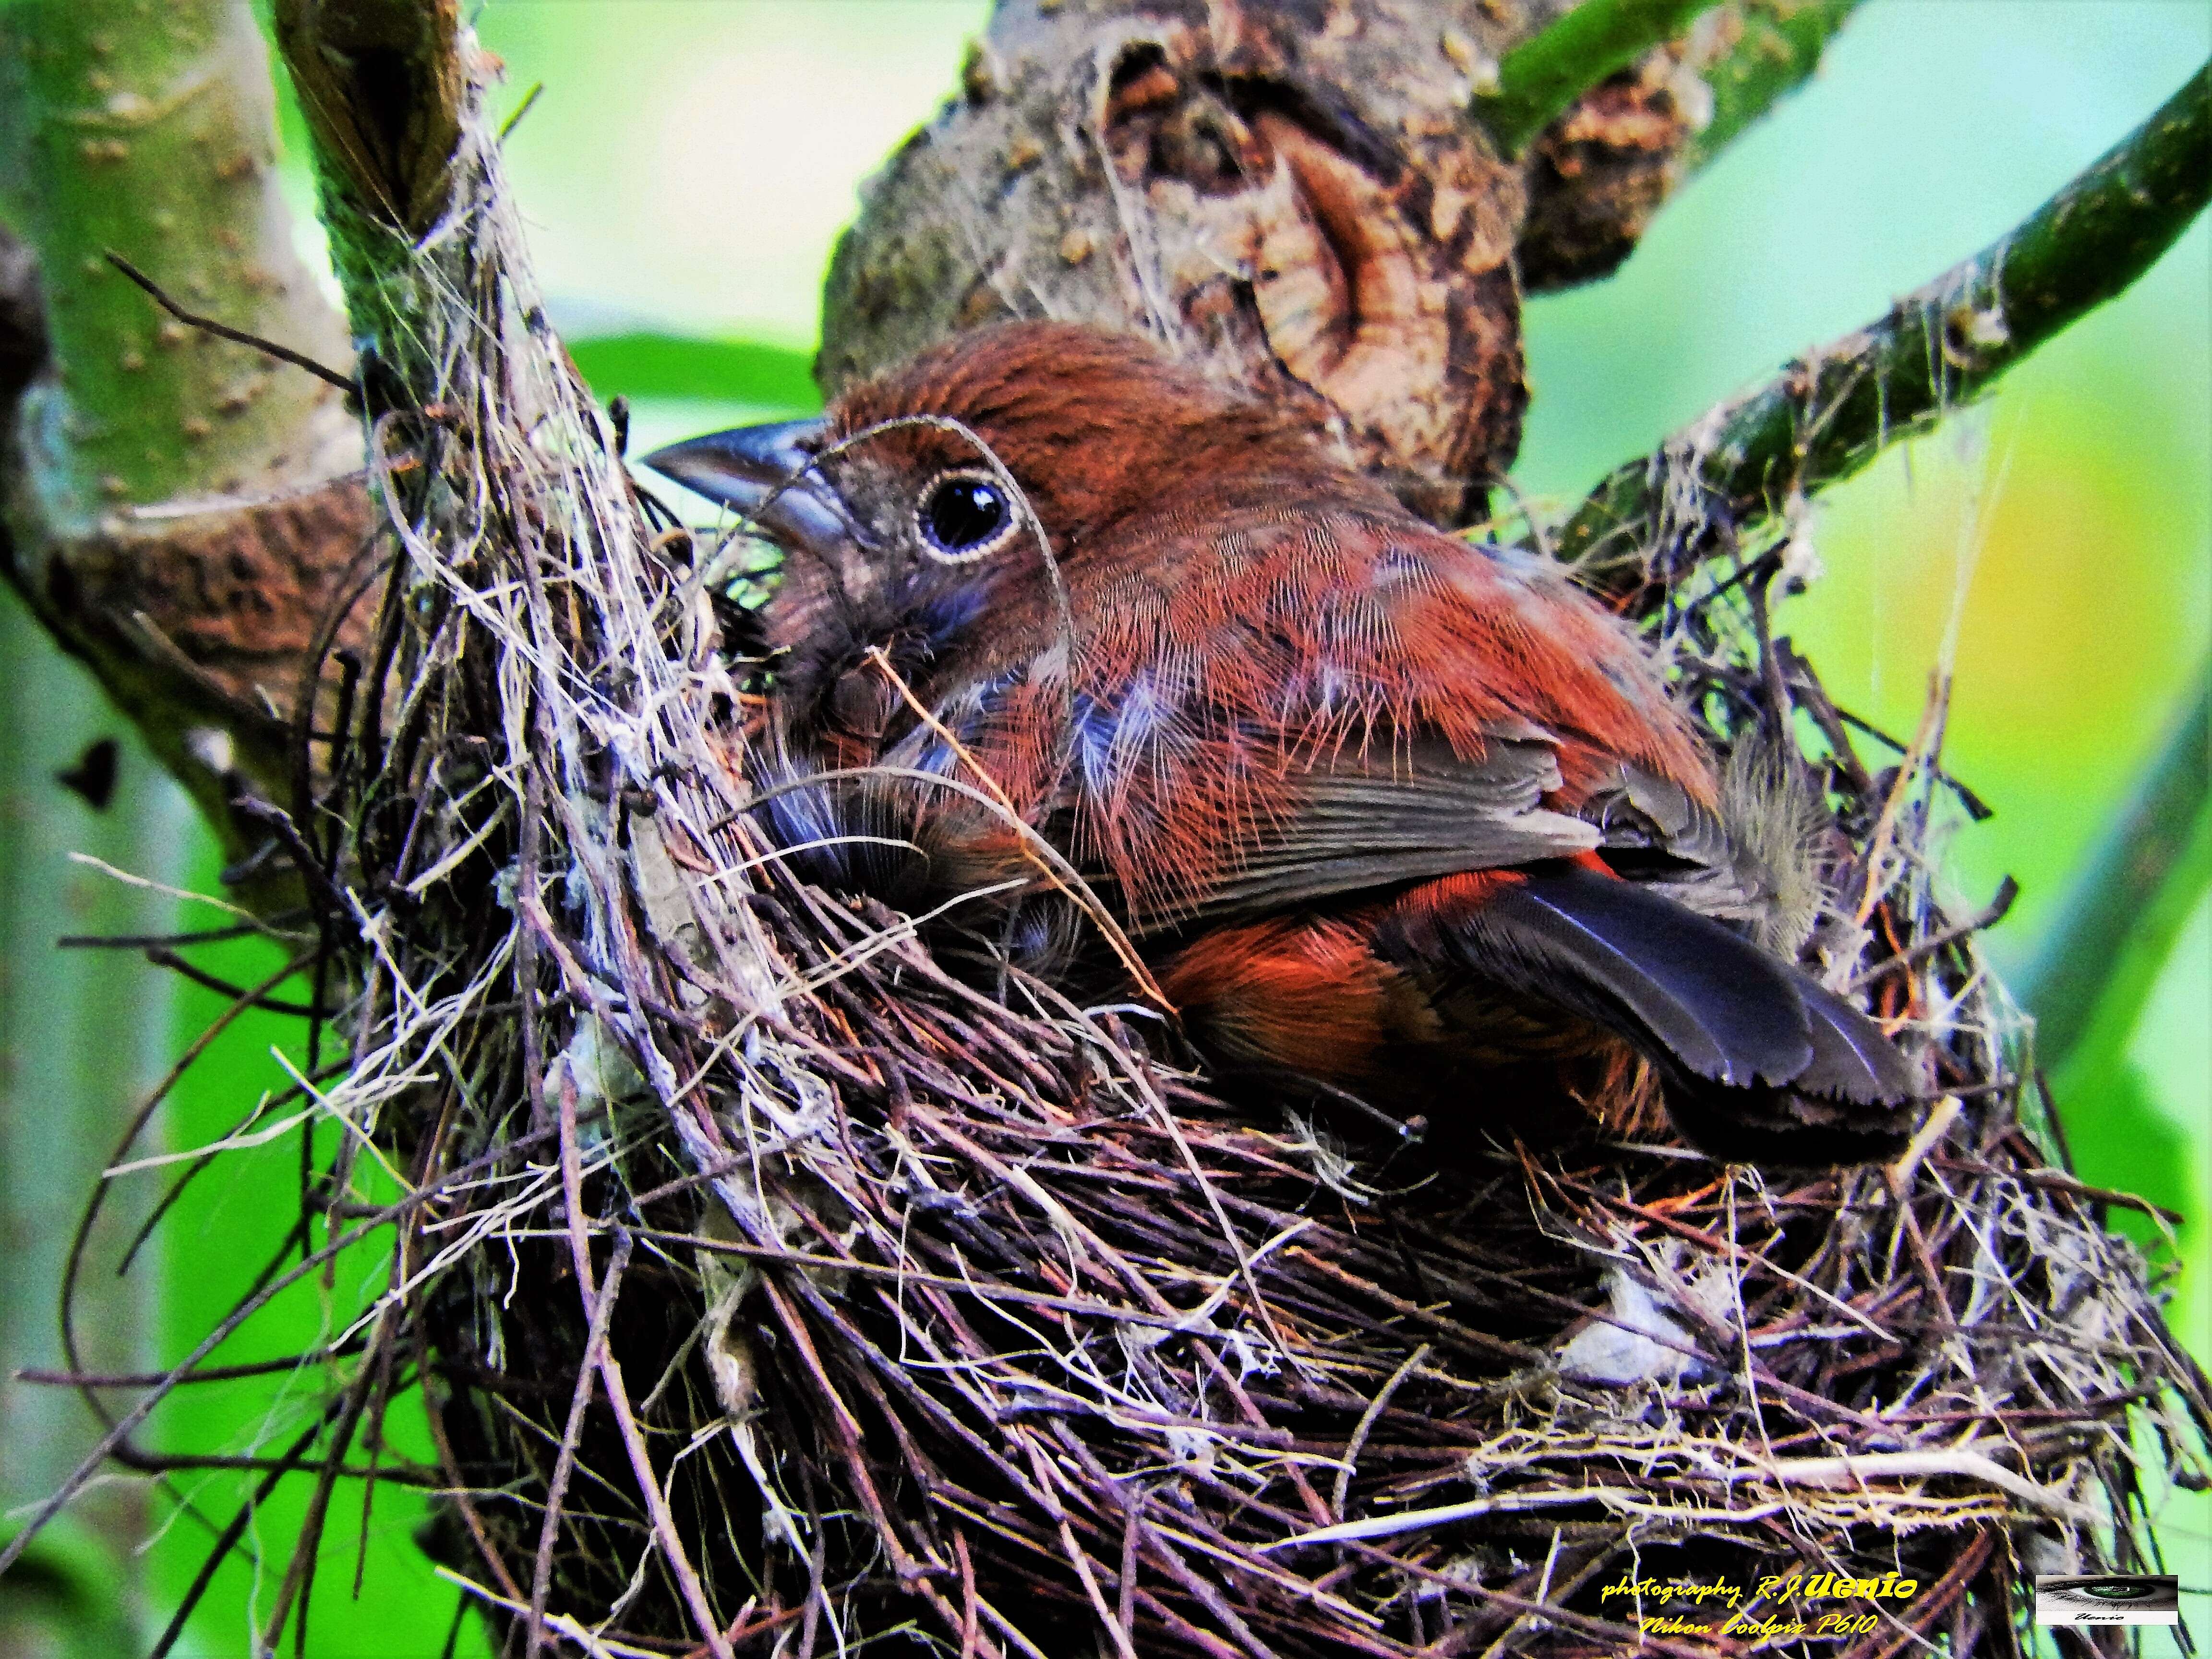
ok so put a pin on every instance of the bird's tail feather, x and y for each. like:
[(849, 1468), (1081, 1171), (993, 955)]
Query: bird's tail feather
[(1763, 1064)]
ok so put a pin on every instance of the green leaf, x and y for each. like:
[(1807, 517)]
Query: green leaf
[(650, 365), (2101, 954), (2121, 1141)]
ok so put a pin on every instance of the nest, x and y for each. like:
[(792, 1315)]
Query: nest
[(771, 1288)]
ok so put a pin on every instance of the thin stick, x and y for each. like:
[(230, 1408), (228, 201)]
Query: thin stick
[(227, 1540), (40, 1375), (602, 1305), (664, 1523), (89, 1464), (161, 956), (1988, 917), (299, 1572), (82, 1237), (267, 348), (141, 941), (1374, 1407)]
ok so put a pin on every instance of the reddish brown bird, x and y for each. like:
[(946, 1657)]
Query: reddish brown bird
[(1386, 814)]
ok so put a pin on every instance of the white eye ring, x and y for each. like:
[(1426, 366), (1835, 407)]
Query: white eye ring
[(965, 513)]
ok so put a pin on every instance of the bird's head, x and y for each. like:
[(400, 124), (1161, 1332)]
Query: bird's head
[(923, 492)]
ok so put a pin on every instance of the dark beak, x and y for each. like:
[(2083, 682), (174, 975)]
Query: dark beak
[(761, 472)]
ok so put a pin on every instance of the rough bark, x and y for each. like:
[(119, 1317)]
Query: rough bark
[(1601, 169), (1541, 77), (1300, 194), (1293, 194)]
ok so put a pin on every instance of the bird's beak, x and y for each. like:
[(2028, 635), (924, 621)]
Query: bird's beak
[(761, 472)]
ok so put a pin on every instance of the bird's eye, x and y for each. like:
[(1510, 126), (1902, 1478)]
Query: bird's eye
[(963, 516)]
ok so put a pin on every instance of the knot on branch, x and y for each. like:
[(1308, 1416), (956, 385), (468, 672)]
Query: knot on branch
[(1597, 174)]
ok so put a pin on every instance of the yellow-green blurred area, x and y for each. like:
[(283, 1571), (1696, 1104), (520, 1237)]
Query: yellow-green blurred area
[(685, 171)]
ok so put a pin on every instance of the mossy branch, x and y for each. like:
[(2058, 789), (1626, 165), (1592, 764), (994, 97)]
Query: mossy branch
[(2101, 953), (383, 85), (1765, 50), (1831, 412), (1544, 74)]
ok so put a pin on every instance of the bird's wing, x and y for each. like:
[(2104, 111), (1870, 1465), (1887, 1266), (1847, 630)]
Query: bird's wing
[(1359, 824), (1681, 987)]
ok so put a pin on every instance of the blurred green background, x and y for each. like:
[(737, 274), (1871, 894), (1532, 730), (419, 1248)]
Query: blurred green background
[(684, 173)]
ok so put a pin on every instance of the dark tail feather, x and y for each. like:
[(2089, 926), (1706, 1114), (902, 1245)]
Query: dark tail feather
[(1699, 999), (1765, 1065), (1852, 1061)]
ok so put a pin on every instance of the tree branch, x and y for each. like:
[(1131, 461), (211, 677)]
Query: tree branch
[(174, 508), (1541, 77), (1598, 173), (1829, 413), (1763, 50), (160, 145), (1310, 211), (382, 85)]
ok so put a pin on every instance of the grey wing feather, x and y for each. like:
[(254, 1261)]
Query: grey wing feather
[(1423, 812)]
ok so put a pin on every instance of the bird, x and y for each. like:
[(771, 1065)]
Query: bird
[(1128, 675)]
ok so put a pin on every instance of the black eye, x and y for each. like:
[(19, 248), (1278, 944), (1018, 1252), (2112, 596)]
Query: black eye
[(964, 515)]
